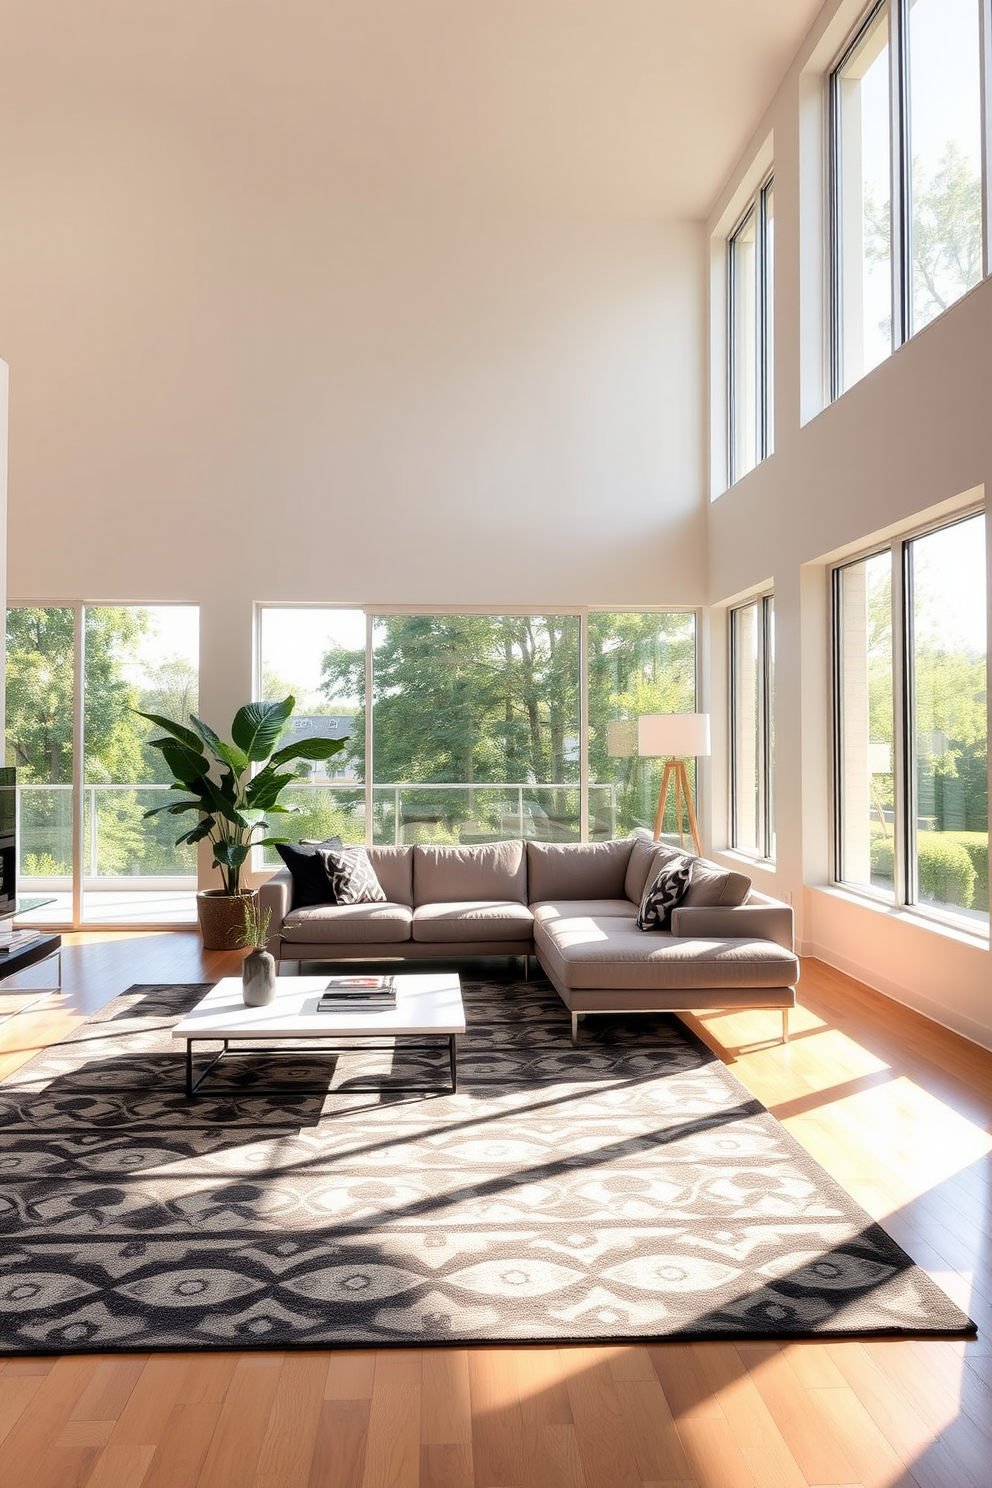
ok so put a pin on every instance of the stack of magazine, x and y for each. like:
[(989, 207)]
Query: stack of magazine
[(358, 991)]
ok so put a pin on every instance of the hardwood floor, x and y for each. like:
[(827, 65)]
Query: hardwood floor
[(896, 1108)]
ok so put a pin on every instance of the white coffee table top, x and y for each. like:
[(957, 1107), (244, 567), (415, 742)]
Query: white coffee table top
[(426, 1002)]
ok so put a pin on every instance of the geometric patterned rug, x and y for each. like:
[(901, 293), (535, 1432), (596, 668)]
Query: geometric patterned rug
[(630, 1188)]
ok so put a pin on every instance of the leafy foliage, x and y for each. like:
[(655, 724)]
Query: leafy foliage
[(215, 781)]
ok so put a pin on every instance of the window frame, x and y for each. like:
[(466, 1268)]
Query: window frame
[(756, 209), (900, 173), (764, 602), (374, 611), (905, 866)]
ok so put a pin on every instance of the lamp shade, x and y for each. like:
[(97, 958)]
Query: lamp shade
[(673, 735)]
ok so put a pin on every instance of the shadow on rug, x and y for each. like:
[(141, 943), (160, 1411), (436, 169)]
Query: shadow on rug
[(630, 1188)]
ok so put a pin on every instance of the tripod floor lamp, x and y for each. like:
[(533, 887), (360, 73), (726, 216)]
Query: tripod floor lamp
[(675, 737)]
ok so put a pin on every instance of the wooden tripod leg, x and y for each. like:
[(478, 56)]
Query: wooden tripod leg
[(663, 797), (693, 824), (679, 770)]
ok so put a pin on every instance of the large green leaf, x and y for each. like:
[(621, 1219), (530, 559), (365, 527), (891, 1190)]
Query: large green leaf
[(174, 808), (228, 754), (229, 854), (264, 790), (186, 765), (258, 727), (177, 730), (222, 801), (309, 749), (196, 834)]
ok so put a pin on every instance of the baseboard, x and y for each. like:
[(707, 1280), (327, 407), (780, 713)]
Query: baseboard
[(976, 1033)]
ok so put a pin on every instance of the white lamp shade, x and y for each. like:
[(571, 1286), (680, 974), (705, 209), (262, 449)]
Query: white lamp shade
[(673, 735)]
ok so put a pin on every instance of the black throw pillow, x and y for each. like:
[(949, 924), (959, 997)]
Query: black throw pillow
[(311, 884), (661, 896)]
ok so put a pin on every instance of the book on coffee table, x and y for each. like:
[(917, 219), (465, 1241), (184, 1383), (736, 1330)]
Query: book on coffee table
[(366, 991)]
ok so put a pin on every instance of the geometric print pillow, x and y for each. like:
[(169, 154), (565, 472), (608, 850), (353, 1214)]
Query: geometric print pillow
[(661, 896), (352, 876)]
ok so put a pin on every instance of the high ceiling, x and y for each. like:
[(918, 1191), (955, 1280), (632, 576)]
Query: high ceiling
[(610, 106)]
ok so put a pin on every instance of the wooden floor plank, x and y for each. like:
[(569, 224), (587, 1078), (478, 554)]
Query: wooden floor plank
[(182, 1450), (234, 1448), (290, 1436), (600, 1425), (339, 1445), (497, 1421), (446, 1405)]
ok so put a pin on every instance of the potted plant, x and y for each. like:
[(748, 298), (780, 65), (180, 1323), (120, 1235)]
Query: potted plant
[(230, 802), (258, 969)]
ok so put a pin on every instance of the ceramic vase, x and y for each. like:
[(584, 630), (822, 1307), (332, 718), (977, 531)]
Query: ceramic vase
[(258, 975)]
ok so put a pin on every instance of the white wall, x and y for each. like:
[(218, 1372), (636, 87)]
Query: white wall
[(913, 436), (223, 395)]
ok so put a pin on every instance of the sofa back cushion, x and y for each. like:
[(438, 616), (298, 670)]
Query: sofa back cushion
[(710, 886), (393, 868), (647, 858), (483, 870), (577, 870)]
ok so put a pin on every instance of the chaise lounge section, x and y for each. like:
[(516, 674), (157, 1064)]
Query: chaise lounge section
[(574, 906)]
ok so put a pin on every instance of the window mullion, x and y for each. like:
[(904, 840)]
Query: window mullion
[(78, 763), (985, 66), (900, 164), (904, 814)]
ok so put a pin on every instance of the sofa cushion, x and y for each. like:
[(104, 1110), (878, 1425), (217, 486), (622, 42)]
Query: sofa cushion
[(348, 924), (663, 893), (577, 870), (489, 871), (311, 884), (646, 858), (353, 879), (590, 952), (394, 869), (710, 886), (567, 909), (472, 920)]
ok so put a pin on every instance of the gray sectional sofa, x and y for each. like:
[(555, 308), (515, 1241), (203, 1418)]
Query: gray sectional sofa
[(574, 906)]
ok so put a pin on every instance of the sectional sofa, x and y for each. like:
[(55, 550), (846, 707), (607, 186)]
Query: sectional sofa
[(574, 906)]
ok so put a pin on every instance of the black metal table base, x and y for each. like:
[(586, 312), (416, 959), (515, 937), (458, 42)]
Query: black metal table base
[(321, 1046)]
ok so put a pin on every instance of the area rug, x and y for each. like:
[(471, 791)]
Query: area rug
[(630, 1188)]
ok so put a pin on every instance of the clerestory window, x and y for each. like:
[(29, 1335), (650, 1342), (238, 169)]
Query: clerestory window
[(751, 262), (908, 181)]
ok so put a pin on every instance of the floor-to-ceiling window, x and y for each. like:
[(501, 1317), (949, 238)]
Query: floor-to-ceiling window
[(480, 726), (40, 744), (77, 678), (911, 722)]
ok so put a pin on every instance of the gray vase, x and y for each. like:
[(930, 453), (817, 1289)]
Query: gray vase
[(258, 974)]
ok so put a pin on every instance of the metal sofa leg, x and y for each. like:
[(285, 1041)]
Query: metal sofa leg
[(575, 1028), (785, 1025)]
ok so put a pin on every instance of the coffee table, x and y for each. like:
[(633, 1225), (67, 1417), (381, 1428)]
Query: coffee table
[(428, 1009)]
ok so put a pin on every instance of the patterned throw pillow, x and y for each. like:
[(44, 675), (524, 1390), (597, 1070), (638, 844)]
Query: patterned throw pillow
[(663, 894), (352, 876), (310, 882)]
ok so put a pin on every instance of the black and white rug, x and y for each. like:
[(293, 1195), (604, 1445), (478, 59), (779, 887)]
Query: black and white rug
[(631, 1188)]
